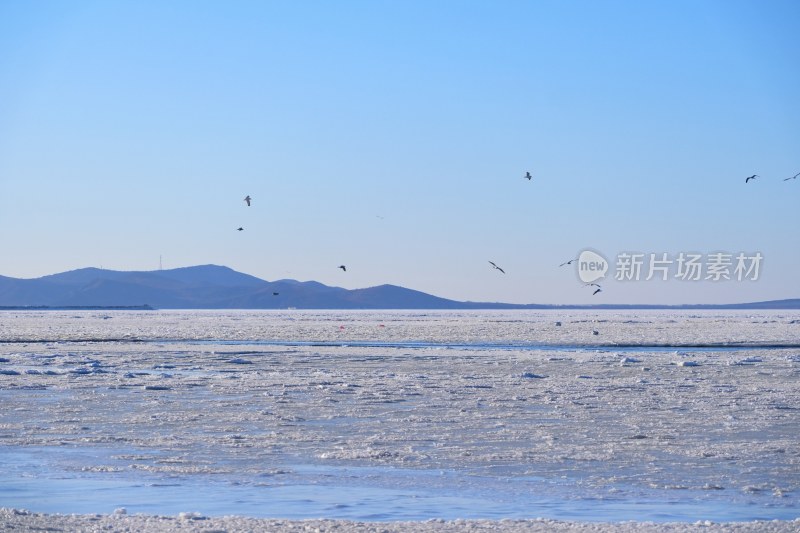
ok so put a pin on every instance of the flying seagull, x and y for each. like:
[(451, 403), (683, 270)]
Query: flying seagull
[(240, 229), (568, 262), (528, 176), (793, 177), (497, 267), (247, 200), (344, 268), (754, 176), (596, 291), (593, 285)]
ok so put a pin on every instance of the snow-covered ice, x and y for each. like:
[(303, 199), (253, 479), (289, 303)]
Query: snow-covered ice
[(403, 415)]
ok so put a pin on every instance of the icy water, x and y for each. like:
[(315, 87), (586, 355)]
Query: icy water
[(403, 415)]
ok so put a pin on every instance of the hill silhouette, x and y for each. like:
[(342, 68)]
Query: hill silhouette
[(220, 287)]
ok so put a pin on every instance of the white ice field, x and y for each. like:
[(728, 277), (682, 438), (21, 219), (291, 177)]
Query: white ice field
[(610, 416)]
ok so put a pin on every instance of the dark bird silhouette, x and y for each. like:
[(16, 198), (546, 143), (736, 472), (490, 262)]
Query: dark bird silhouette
[(593, 285), (247, 200), (568, 262), (275, 293), (497, 267), (793, 177), (596, 291), (528, 176), (344, 268), (754, 176), (240, 229)]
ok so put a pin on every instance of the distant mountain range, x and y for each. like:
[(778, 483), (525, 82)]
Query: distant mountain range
[(219, 287)]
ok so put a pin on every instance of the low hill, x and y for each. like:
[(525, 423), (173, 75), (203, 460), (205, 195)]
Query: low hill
[(220, 287)]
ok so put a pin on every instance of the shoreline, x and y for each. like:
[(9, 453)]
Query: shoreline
[(20, 520)]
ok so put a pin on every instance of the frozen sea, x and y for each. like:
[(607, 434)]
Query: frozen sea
[(589, 416)]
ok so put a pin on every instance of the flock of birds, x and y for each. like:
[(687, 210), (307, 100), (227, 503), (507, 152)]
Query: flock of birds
[(248, 200), (598, 288)]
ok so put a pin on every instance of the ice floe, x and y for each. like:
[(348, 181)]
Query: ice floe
[(505, 411)]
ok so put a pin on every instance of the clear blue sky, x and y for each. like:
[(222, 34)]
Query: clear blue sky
[(393, 136)]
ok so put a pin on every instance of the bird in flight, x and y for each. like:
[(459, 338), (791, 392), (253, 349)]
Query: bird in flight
[(247, 200), (528, 176), (568, 262), (497, 267), (344, 268), (240, 228), (793, 177), (593, 285), (597, 290), (275, 293), (754, 176)]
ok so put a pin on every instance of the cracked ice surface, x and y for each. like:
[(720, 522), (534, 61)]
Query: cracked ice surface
[(404, 415)]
